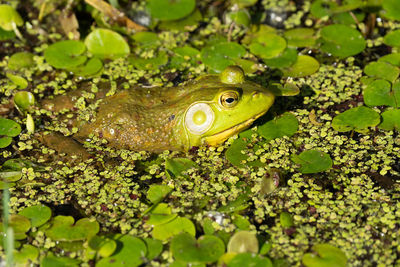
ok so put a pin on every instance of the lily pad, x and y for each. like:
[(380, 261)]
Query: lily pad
[(391, 120), (161, 214), (65, 54), (312, 161), (10, 176), (8, 129), (249, 259), (146, 39), (167, 230), (51, 261), (357, 119), (268, 46), (392, 38), (304, 66), (321, 8), (157, 192), (92, 67), (341, 40), (286, 59), (6, 35), (26, 255), (63, 229), (325, 256), (286, 219), (154, 247), (220, 55), (38, 214), (170, 9), (105, 246), (9, 17), (380, 92), (149, 63), (382, 70), (130, 253), (18, 80), (300, 37), (21, 60), (243, 241), (184, 54), (393, 59), (20, 225), (24, 100), (185, 24), (284, 125), (206, 249), (104, 43), (391, 9), (175, 167), (239, 17), (240, 203)]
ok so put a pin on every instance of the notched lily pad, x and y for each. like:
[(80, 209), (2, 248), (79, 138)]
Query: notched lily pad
[(382, 70), (92, 67), (9, 17), (105, 246), (391, 9), (249, 259), (20, 225), (268, 45), (170, 9), (26, 255), (157, 192), (52, 261), (341, 40), (300, 37), (104, 43), (357, 119), (243, 241), (393, 59), (8, 129), (325, 256), (160, 214), (63, 229), (24, 100), (154, 247), (285, 59), (312, 161), (392, 38), (18, 80), (284, 125), (65, 54), (38, 214), (304, 66), (177, 166), (220, 55), (206, 249), (20, 60), (380, 92), (149, 63), (167, 230), (391, 120)]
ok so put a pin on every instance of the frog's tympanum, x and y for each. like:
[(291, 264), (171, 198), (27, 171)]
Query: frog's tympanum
[(206, 111)]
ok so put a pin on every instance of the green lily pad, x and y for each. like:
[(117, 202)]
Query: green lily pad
[(392, 38), (393, 59), (206, 249), (249, 259), (341, 40), (184, 24), (326, 256), (347, 19), (380, 92), (105, 246), (286, 219), (241, 222), (9, 17), (391, 9), (184, 54), (239, 17), (149, 63), (6, 35), (65, 54), (38, 214), (300, 37), (270, 182), (220, 55), (130, 252), (157, 192), (357, 119), (154, 247), (18, 80), (284, 125), (312, 161), (24, 100), (9, 127), (161, 214), (104, 43), (21, 60), (146, 39), (304, 66), (268, 46), (25, 255), (18, 164), (288, 89), (390, 120), (321, 8), (20, 225), (240, 203), (51, 261), (286, 59), (176, 166), (10, 176), (243, 241), (5, 141), (63, 229), (92, 67), (170, 9), (382, 70), (167, 230), (243, 3)]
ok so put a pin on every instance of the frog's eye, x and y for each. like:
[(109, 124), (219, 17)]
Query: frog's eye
[(229, 99), (199, 118)]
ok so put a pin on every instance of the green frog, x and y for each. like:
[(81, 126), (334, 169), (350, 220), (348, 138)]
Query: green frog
[(205, 111)]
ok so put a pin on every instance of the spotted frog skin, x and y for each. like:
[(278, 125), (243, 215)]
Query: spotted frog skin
[(205, 111)]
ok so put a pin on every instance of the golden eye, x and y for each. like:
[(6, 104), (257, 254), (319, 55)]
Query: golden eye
[(229, 99)]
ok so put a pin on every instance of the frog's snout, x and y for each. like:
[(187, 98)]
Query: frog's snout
[(256, 94)]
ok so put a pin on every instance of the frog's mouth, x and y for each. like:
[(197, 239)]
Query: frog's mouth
[(220, 137)]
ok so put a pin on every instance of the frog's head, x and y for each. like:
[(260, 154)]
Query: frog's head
[(231, 105)]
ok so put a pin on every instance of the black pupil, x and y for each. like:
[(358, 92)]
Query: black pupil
[(230, 100)]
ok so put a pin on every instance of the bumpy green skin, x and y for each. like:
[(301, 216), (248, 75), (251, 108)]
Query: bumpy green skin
[(153, 119)]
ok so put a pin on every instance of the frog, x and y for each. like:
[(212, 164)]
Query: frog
[(203, 112)]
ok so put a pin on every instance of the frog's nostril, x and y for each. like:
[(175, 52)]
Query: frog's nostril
[(256, 94)]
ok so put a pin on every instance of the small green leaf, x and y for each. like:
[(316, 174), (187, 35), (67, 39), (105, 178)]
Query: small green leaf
[(382, 70), (167, 230), (156, 192), (51, 261), (65, 54), (92, 67), (239, 17), (10, 176), (18, 80), (154, 247), (160, 214), (63, 229), (284, 125), (391, 120), (357, 119), (287, 58), (184, 54), (206, 249), (391, 9), (327, 256), (9, 17), (300, 37), (38, 214), (184, 24), (380, 92), (20, 225), (26, 255), (268, 46), (304, 66), (24, 100), (243, 241), (286, 219), (220, 55), (5, 141), (392, 38), (104, 43), (146, 39), (393, 59), (9, 127), (103, 245), (177, 166), (322, 8), (341, 40), (149, 63), (21, 60), (170, 9), (249, 259), (6, 35), (312, 161)]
